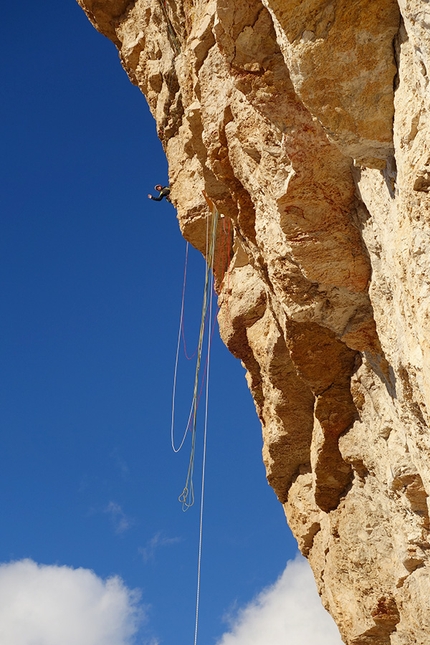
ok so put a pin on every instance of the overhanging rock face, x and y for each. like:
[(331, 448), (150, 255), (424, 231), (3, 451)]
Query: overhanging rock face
[(307, 123)]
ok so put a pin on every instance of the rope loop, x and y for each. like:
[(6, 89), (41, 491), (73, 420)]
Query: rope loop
[(187, 498)]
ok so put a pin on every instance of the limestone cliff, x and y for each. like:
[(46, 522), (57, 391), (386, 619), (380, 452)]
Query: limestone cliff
[(307, 123)]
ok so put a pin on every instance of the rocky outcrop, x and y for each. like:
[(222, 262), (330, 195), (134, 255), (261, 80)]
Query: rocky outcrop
[(307, 123)]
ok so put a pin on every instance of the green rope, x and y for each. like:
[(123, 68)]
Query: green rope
[(187, 496)]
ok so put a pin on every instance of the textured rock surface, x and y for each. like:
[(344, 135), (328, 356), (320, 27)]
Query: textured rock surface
[(307, 123)]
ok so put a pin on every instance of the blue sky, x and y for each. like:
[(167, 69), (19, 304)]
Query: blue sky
[(90, 279)]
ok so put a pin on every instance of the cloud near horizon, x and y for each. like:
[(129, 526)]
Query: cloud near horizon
[(58, 605), (290, 611)]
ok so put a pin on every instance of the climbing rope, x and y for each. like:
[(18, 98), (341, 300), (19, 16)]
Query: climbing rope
[(187, 496), (175, 372), (202, 489)]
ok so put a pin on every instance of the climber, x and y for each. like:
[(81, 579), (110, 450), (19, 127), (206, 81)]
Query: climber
[(163, 191)]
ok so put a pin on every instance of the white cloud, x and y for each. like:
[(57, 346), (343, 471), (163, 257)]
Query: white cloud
[(159, 539), (119, 519), (290, 611), (53, 605)]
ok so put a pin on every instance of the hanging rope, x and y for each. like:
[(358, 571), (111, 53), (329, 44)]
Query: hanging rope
[(205, 432), (181, 332), (175, 372), (187, 496)]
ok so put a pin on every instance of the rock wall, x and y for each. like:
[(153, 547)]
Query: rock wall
[(307, 123)]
